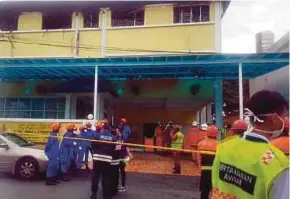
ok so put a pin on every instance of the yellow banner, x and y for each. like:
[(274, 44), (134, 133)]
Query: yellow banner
[(32, 130)]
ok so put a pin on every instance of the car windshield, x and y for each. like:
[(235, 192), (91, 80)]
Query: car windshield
[(20, 141)]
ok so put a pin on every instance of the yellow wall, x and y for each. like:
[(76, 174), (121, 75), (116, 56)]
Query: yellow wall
[(90, 43), (39, 43), (165, 36), (30, 21), (173, 38), (155, 15)]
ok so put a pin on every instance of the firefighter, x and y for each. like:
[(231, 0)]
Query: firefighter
[(176, 143), (249, 166), (200, 137), (102, 157), (167, 138), (282, 142), (66, 151), (208, 144), (190, 140), (82, 146), (239, 127), (52, 152)]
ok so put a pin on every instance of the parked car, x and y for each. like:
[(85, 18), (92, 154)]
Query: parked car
[(21, 157)]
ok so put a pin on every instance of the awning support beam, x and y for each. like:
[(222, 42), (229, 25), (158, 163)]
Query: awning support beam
[(218, 95), (96, 115), (241, 94)]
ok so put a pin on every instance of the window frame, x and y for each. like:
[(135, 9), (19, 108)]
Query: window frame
[(135, 13), (58, 111), (181, 7)]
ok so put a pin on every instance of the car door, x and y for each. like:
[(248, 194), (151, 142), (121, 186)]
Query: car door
[(6, 155)]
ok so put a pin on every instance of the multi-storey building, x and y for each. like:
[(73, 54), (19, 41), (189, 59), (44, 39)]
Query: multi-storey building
[(108, 29)]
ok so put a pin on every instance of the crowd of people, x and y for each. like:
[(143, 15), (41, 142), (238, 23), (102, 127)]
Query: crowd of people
[(252, 161), (109, 160)]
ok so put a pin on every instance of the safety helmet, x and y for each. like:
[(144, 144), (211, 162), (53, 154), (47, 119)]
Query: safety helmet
[(90, 116), (99, 124), (212, 131), (82, 128), (123, 121), (55, 127), (204, 126), (195, 123), (286, 122), (70, 127), (240, 125)]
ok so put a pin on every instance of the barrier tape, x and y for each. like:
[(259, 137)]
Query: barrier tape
[(123, 143)]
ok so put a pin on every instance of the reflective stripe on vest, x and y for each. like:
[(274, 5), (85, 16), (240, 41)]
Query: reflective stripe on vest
[(206, 168), (246, 169)]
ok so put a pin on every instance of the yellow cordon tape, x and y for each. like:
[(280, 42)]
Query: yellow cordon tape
[(123, 143)]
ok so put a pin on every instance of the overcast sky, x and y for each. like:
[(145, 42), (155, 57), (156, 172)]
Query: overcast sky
[(244, 18)]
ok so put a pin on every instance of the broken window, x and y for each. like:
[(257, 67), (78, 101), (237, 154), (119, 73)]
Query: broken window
[(56, 21), (91, 19), (128, 18), (191, 14), (8, 22)]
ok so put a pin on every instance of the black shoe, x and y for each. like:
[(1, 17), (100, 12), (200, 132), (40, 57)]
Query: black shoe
[(56, 180), (94, 196), (49, 181)]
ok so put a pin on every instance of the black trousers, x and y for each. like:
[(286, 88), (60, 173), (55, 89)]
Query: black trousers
[(205, 184), (122, 167), (101, 170), (114, 182)]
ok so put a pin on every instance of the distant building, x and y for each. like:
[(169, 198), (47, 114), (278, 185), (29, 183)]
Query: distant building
[(277, 80)]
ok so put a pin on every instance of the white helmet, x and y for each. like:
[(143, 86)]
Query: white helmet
[(204, 127), (90, 116), (195, 123)]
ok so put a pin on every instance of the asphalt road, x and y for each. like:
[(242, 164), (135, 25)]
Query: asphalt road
[(139, 186)]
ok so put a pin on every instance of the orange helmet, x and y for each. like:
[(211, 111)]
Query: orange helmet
[(123, 120), (99, 125), (286, 122), (240, 125), (70, 127), (212, 131), (88, 124), (82, 128), (55, 127)]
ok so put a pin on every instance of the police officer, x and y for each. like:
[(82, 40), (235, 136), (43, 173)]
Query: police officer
[(208, 144), (115, 161), (51, 151), (102, 158), (66, 149), (248, 166)]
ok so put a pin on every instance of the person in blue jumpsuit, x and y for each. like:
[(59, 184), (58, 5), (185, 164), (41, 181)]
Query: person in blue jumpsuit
[(66, 148), (74, 151), (86, 132), (125, 129), (52, 152)]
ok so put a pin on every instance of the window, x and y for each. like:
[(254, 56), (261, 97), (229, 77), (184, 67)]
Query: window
[(56, 21), (8, 22), (191, 14), (49, 108), (128, 18), (91, 19)]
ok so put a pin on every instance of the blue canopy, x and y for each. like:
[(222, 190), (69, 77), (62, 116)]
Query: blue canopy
[(224, 66)]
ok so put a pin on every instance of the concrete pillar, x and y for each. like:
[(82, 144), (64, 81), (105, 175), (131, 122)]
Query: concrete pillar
[(203, 115), (68, 103), (197, 118), (208, 113), (218, 88), (100, 105)]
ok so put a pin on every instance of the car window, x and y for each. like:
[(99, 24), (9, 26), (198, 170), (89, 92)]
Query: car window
[(20, 141)]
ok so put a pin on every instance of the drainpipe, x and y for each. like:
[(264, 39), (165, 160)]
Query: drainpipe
[(77, 31), (104, 32)]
